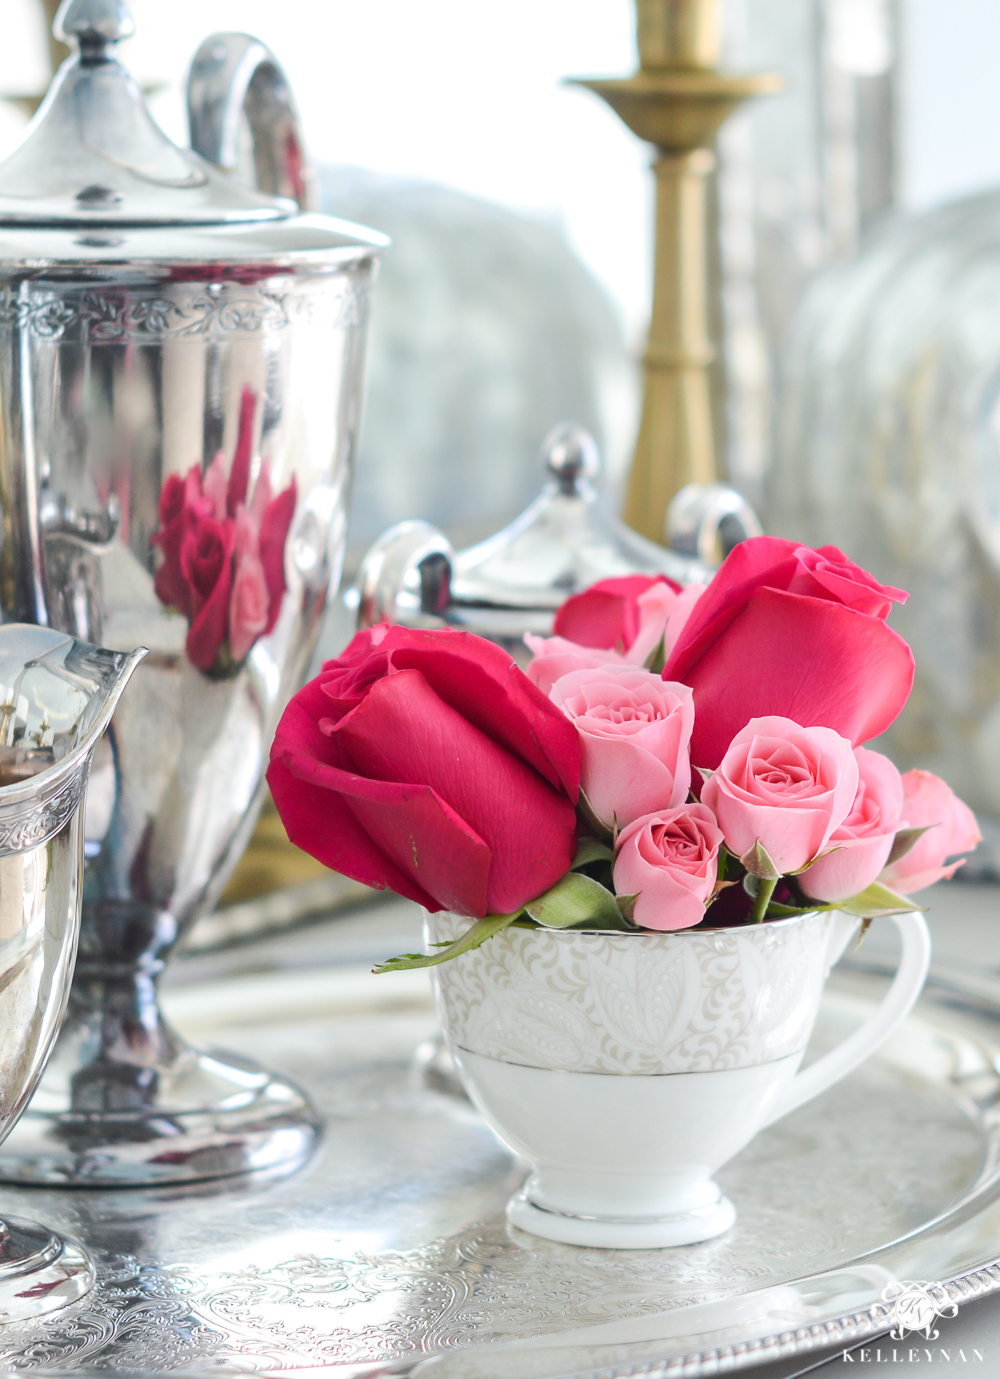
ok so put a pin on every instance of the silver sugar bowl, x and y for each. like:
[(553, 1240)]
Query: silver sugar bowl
[(181, 361)]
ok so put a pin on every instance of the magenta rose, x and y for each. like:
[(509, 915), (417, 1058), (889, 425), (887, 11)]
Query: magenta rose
[(865, 838), (425, 761), (784, 786), (951, 828), (607, 615), (669, 860), (634, 733), (783, 630)]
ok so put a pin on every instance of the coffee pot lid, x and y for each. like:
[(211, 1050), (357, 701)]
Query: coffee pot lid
[(94, 156)]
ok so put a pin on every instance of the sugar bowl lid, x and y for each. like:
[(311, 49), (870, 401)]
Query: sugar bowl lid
[(94, 156)]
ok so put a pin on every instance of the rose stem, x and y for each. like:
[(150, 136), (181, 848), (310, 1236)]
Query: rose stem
[(765, 889)]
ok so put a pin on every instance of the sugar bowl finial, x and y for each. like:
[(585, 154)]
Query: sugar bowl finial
[(95, 24), (570, 454)]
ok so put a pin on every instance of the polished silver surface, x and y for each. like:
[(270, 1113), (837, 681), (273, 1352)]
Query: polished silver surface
[(514, 581), (180, 386), (390, 1247), (58, 696), (233, 78)]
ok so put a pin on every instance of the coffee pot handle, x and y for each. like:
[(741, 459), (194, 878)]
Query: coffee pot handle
[(892, 1011), (233, 76)]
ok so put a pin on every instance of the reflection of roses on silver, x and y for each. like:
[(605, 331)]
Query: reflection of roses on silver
[(223, 562)]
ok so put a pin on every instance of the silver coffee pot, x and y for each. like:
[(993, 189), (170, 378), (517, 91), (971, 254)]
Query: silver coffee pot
[(56, 698), (181, 362)]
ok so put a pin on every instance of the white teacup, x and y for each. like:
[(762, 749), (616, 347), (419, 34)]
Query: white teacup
[(627, 1068)]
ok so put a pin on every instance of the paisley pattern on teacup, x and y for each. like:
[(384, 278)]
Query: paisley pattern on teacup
[(636, 1003)]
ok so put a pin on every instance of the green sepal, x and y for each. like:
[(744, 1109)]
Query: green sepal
[(758, 863), (903, 841), (657, 658), (590, 821), (576, 902), (589, 850), (626, 904), (477, 934)]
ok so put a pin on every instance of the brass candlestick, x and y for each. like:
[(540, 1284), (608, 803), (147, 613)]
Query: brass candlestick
[(677, 101)]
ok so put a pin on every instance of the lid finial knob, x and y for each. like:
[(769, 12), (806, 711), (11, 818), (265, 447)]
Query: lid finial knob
[(571, 456), (95, 24)]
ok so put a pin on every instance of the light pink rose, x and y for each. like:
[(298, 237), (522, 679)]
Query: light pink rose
[(249, 602), (927, 800), (864, 840), (555, 657), (635, 731), (670, 860), (662, 612), (783, 785)]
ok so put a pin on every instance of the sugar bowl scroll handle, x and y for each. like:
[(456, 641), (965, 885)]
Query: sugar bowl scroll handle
[(893, 1009), (232, 77)]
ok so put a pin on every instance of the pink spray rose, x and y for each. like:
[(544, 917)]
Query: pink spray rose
[(555, 657), (786, 630), (634, 733), (927, 800), (783, 785), (427, 762), (864, 840), (658, 611), (670, 861)]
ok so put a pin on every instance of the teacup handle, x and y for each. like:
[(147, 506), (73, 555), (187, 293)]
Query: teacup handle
[(893, 1010)]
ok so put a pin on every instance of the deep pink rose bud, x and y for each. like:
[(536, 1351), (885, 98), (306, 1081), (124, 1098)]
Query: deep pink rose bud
[(865, 838), (927, 800), (786, 630), (634, 733), (426, 761), (670, 860), (784, 786)]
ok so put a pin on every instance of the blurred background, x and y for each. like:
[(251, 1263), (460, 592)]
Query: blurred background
[(521, 208)]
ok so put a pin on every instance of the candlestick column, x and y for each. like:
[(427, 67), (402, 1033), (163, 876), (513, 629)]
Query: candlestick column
[(677, 101)]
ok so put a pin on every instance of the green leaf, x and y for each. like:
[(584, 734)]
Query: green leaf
[(576, 902), (585, 812), (477, 934), (904, 840), (758, 863), (590, 850), (877, 900), (657, 658)]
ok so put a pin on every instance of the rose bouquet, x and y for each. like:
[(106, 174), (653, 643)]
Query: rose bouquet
[(670, 758), (223, 559)]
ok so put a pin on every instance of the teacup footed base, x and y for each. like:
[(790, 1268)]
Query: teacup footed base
[(40, 1272), (607, 1233)]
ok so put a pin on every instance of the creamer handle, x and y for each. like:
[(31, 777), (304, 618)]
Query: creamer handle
[(892, 1011)]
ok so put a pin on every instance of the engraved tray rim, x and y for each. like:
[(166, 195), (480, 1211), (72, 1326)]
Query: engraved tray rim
[(843, 1306)]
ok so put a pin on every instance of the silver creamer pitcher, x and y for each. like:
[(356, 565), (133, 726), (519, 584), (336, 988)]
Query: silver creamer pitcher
[(57, 696), (181, 360)]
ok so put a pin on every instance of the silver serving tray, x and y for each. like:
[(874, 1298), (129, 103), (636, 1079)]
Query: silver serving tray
[(388, 1254)]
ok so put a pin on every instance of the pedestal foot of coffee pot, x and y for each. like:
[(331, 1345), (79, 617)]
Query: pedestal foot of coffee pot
[(209, 1116), (39, 1272)]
